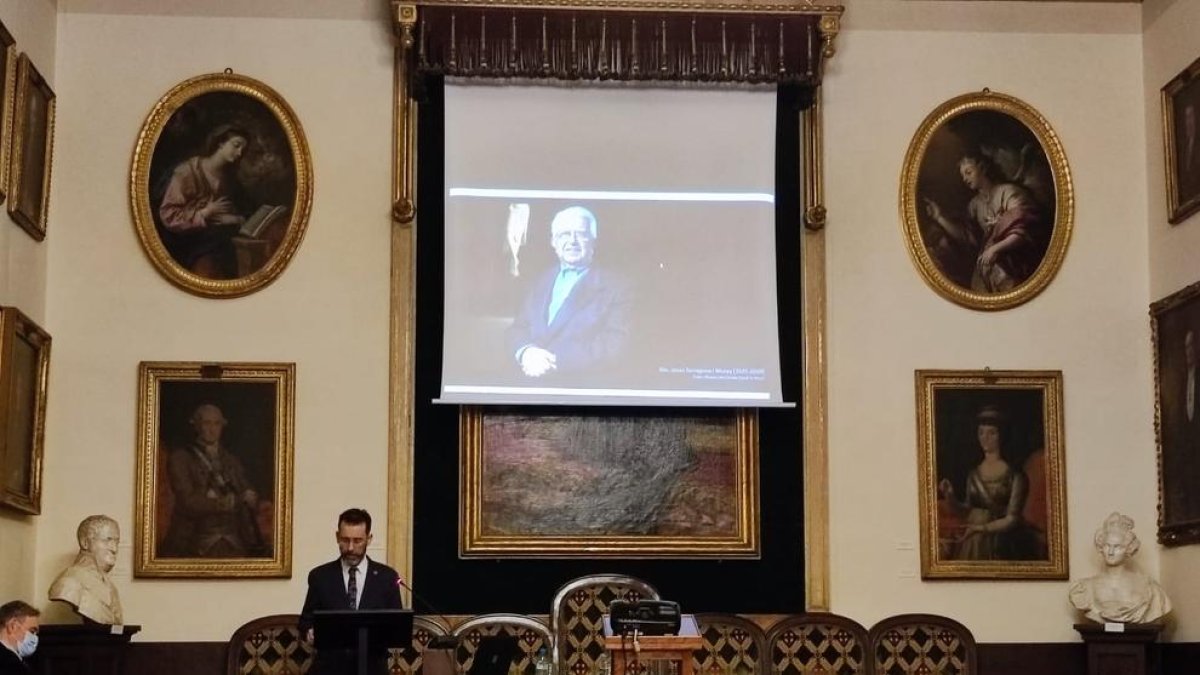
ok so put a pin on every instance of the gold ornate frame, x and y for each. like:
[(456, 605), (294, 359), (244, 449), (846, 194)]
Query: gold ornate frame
[(947, 403), (813, 445), (1179, 208), (476, 539), (23, 379), (1171, 318), (912, 213), (30, 84), (152, 466), (8, 83), (139, 184)]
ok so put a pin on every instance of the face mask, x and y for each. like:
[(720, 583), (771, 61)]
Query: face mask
[(28, 645)]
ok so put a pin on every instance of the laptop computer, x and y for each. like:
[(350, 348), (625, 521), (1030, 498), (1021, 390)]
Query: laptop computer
[(495, 654)]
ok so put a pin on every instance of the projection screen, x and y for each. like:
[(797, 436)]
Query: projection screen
[(610, 245)]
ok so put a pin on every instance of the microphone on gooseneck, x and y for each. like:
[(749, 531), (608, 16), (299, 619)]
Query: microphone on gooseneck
[(437, 641)]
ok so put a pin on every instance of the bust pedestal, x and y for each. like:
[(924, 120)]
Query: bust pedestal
[(1120, 648), (88, 649)]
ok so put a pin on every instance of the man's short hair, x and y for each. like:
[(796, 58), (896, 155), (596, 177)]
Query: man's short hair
[(90, 528), (576, 213), (355, 517), (17, 609), (195, 417)]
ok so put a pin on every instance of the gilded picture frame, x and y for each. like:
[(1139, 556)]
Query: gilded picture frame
[(221, 185), (986, 201), (1181, 141), (1174, 326), (214, 470), (24, 375), (32, 155), (8, 96), (991, 474), (681, 485)]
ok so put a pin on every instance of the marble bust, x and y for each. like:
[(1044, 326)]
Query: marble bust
[(85, 584), (1119, 594)]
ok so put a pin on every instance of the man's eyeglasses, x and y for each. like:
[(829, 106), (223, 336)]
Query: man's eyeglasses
[(572, 234)]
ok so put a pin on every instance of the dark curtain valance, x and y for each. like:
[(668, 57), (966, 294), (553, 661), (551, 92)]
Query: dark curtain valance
[(748, 44)]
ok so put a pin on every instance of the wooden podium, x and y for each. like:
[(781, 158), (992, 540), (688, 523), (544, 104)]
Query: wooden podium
[(626, 653)]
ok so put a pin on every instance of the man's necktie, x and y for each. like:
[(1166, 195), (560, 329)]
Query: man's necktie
[(352, 587)]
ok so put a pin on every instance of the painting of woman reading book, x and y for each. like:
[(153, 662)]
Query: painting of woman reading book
[(219, 196), (226, 183)]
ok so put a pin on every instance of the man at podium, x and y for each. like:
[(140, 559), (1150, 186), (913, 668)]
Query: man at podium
[(352, 582)]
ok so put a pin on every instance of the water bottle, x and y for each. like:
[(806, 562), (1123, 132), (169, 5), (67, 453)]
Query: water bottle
[(541, 663), (603, 665)]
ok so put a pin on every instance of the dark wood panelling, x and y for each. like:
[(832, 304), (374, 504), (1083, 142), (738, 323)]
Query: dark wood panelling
[(1032, 658), (1008, 658), (1180, 658), (176, 658)]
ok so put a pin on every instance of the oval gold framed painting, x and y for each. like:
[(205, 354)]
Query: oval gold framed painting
[(986, 201), (221, 185)]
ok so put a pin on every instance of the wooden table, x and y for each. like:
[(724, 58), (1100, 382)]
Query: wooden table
[(652, 648)]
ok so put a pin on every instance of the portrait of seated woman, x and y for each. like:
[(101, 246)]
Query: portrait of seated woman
[(987, 519)]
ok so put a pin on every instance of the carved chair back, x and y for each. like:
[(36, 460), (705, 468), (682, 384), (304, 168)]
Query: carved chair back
[(818, 642), (916, 644), (732, 644), (577, 617), (532, 635)]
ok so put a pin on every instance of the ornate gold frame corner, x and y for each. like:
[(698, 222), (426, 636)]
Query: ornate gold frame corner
[(971, 383), (1178, 209), (8, 80), (911, 214), (16, 330), (30, 83), (139, 184), (475, 541), (151, 468)]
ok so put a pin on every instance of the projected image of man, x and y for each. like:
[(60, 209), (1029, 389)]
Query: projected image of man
[(576, 318)]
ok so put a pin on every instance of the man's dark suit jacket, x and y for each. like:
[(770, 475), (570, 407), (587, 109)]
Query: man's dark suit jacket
[(591, 328), (11, 664), (327, 590)]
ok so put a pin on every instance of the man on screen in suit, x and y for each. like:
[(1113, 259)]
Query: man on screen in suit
[(577, 316), (353, 581)]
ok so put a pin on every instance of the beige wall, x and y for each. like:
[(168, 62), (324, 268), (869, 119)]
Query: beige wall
[(1170, 46), (23, 281), (108, 309), (884, 322)]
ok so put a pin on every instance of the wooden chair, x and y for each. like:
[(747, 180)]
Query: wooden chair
[(732, 644), (918, 644), (532, 635), (270, 645), (577, 617), (410, 660), (818, 643)]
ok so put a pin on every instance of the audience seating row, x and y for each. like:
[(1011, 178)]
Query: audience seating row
[(801, 644)]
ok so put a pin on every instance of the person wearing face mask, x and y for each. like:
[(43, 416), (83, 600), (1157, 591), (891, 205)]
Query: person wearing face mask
[(353, 581), (19, 635), (85, 585)]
